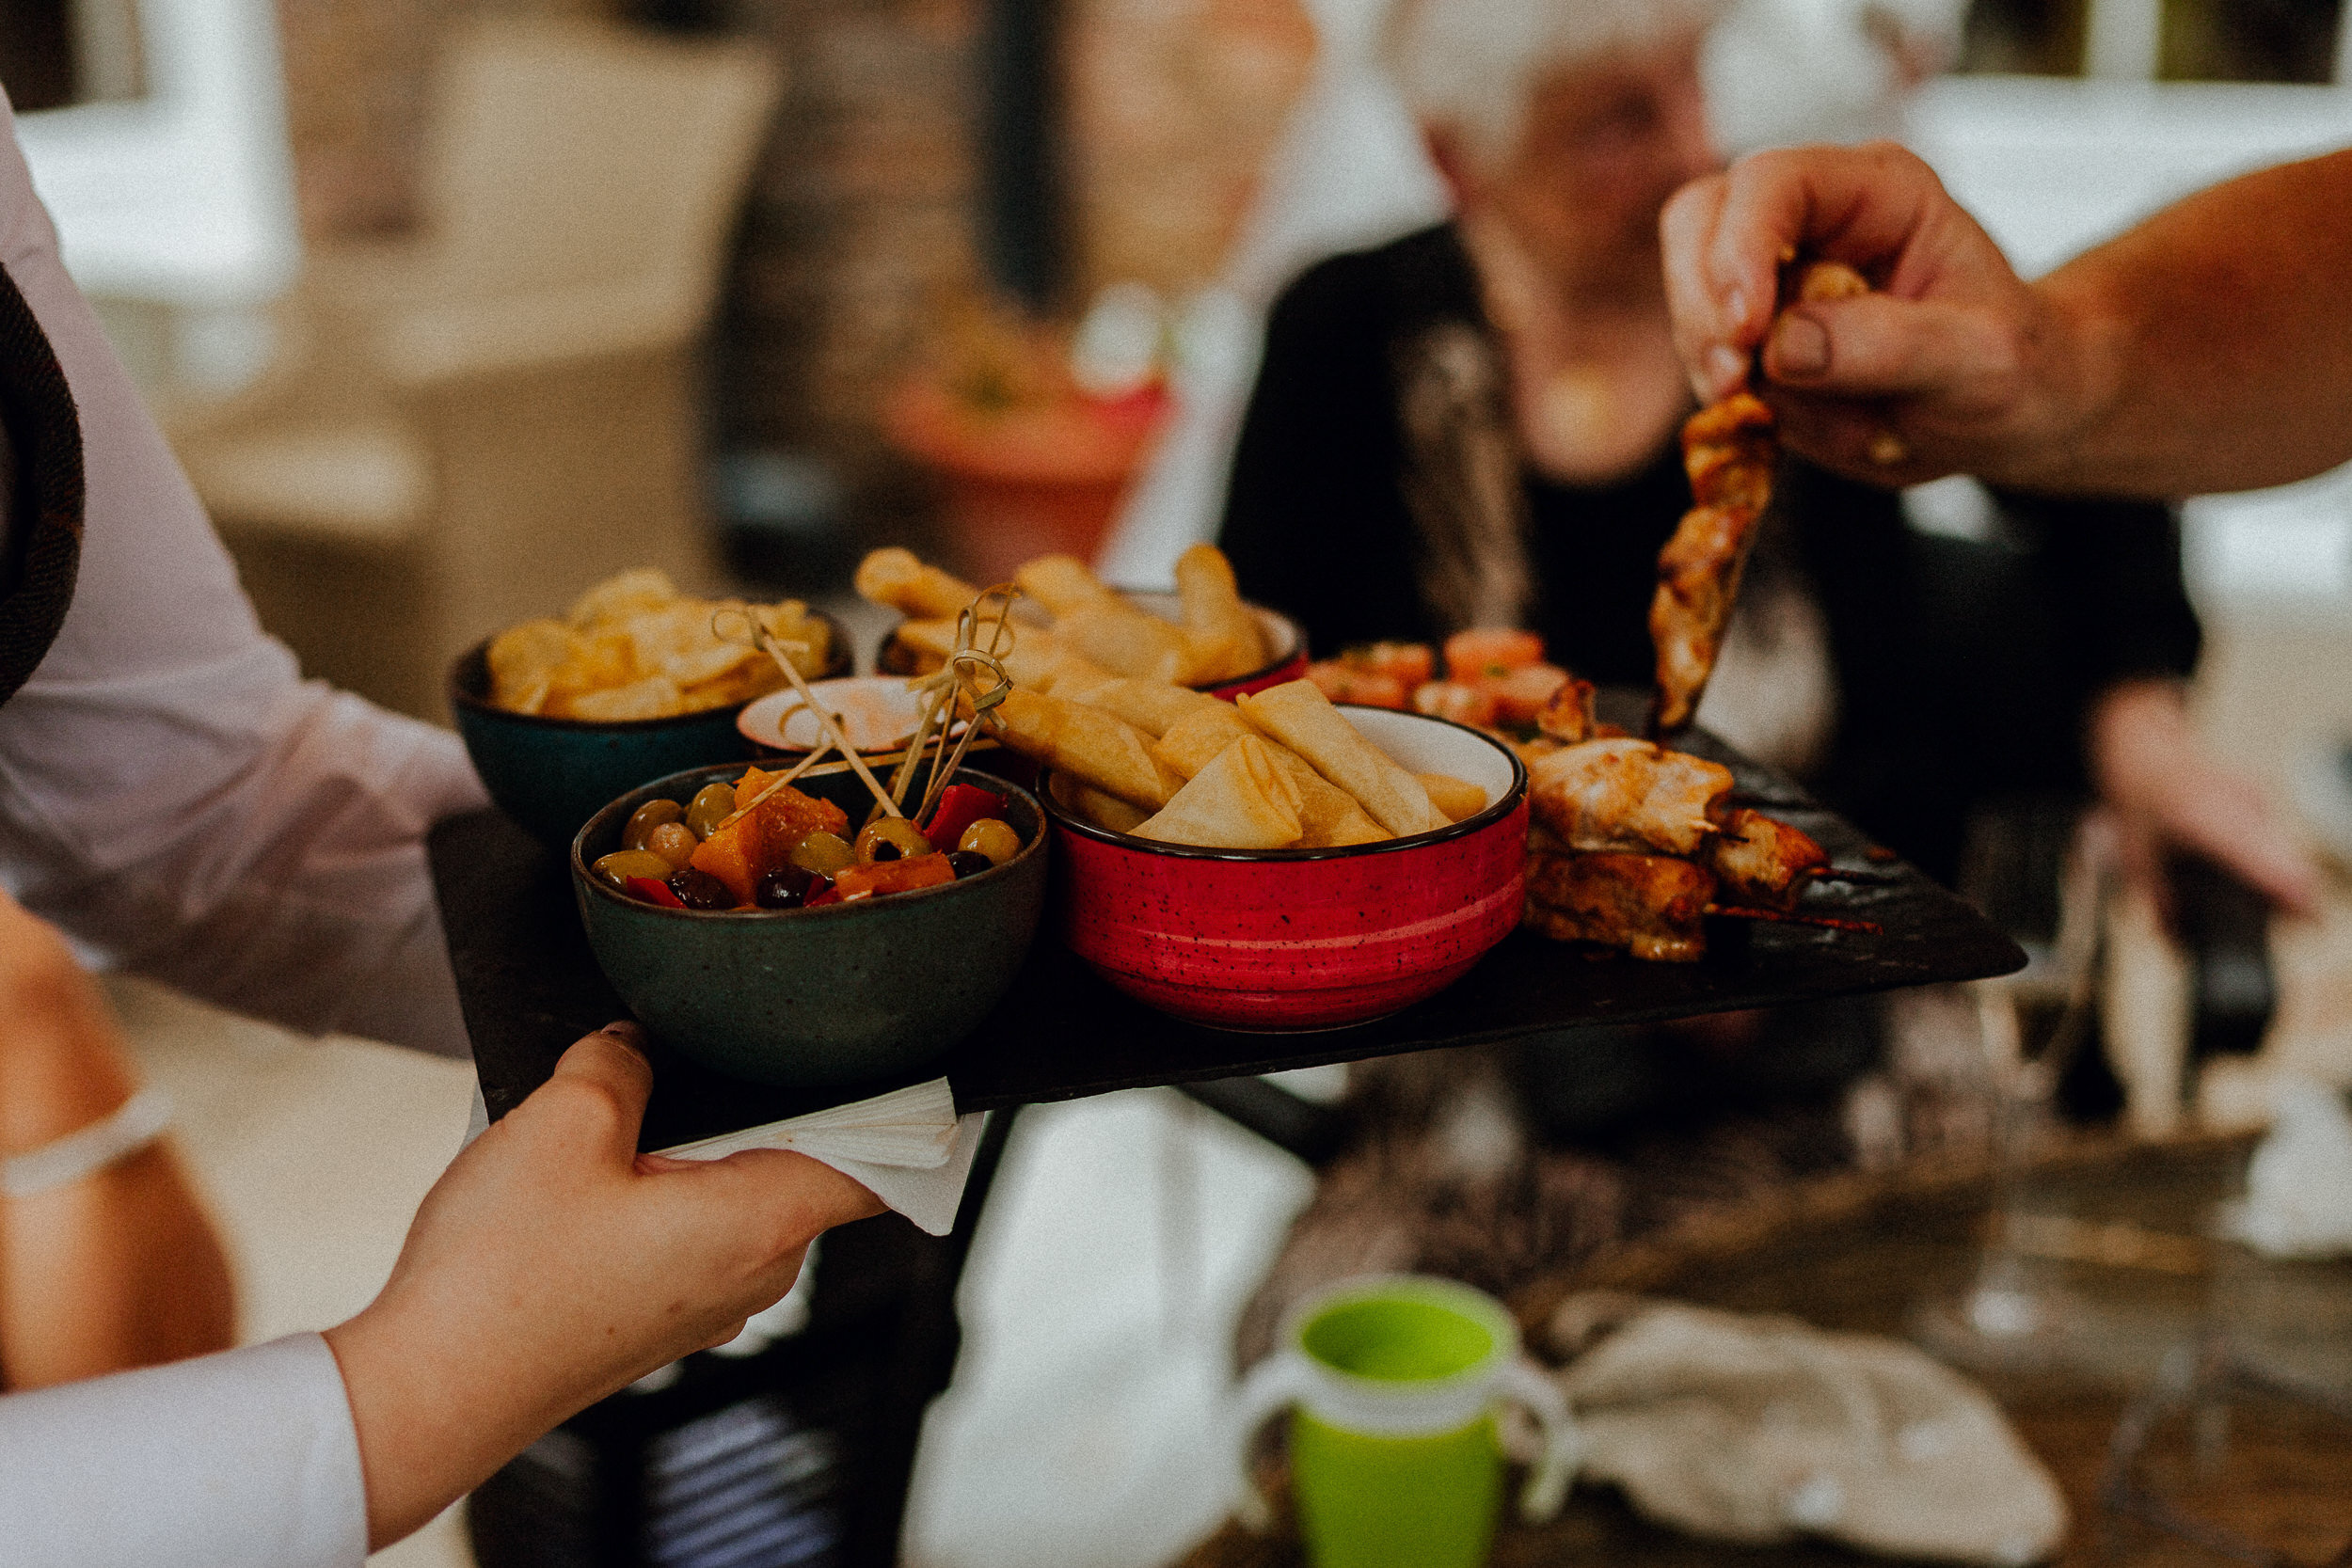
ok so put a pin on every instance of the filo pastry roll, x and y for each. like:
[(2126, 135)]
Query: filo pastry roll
[(1226, 640), (1301, 718), (1327, 815), (1152, 707), (1090, 745), (1242, 800), (896, 578), (1104, 811)]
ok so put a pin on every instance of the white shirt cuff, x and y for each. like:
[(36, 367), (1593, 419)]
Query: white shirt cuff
[(247, 1459)]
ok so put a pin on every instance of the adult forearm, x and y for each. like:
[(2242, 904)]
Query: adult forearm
[(2209, 348)]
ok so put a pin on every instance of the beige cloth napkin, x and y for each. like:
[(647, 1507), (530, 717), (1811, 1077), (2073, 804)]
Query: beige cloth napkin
[(1758, 1429)]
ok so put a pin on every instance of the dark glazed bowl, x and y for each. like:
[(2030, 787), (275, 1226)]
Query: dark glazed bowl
[(552, 774), (845, 995)]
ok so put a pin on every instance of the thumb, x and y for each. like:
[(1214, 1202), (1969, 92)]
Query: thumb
[(596, 1095), (1875, 345)]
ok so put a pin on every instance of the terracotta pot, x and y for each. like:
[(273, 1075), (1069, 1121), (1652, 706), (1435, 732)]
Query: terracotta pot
[(1303, 939), (1025, 481)]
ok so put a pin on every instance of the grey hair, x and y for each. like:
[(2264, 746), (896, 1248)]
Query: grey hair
[(1472, 64)]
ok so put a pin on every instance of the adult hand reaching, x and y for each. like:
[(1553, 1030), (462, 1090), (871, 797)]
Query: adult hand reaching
[(2208, 349), (1953, 363), (2167, 791), (553, 1264)]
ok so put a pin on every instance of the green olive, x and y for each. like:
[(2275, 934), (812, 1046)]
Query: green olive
[(674, 842), (826, 854), (991, 837), (619, 865), (645, 818), (712, 804), (890, 838)]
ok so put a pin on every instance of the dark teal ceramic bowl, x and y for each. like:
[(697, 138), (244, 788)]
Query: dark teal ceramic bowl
[(552, 774), (846, 994)]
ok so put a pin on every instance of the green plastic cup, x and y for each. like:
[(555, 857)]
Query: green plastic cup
[(1393, 1382)]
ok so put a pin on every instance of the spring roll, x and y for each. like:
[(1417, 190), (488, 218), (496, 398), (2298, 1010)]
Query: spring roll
[(1225, 632), (1301, 718), (1241, 801), (1327, 815), (894, 577), (1456, 797), (1152, 707), (1090, 745), (1060, 582), (1127, 641), (1104, 811), (1036, 658)]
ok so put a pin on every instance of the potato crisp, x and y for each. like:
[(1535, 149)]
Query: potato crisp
[(634, 647)]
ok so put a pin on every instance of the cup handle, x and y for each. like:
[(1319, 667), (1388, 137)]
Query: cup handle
[(1564, 1444), (1271, 1384)]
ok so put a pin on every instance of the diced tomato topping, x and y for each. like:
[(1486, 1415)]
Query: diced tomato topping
[(1343, 683), (959, 807), (655, 893), (1486, 653), (867, 881)]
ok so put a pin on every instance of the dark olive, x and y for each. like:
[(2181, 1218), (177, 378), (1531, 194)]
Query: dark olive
[(784, 888), (700, 890), (969, 863)]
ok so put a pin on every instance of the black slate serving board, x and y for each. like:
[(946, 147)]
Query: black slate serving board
[(530, 986)]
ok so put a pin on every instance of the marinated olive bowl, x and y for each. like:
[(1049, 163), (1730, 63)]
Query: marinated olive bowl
[(1304, 939), (551, 774), (846, 993)]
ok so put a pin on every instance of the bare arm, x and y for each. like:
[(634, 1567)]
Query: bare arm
[(120, 1269), (2208, 349)]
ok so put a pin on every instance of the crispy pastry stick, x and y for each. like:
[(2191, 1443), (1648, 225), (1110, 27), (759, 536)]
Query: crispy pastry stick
[(896, 578), (1729, 449)]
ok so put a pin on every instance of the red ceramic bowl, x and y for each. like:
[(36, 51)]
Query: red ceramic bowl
[(1286, 643), (1303, 939)]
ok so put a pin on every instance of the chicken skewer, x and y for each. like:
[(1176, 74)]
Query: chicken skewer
[(1728, 450)]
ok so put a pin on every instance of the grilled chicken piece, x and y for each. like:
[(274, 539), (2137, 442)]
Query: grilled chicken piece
[(1627, 794), (1728, 450), (1567, 714), (1764, 862), (1650, 905)]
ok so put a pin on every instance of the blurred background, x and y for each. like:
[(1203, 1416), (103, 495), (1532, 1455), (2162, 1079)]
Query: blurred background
[(453, 307)]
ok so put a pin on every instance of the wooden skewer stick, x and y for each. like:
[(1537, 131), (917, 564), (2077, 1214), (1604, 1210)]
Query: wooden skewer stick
[(773, 648), (798, 768)]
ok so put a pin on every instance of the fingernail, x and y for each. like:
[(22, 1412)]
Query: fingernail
[(1799, 346), (627, 1030), (1726, 365), (1736, 305)]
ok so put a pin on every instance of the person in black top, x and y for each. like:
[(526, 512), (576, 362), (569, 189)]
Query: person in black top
[(1476, 426)]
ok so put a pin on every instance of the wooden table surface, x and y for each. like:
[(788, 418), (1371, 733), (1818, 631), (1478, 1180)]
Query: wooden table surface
[(1865, 1253)]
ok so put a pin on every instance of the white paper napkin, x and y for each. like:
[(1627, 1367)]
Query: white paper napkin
[(907, 1147)]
